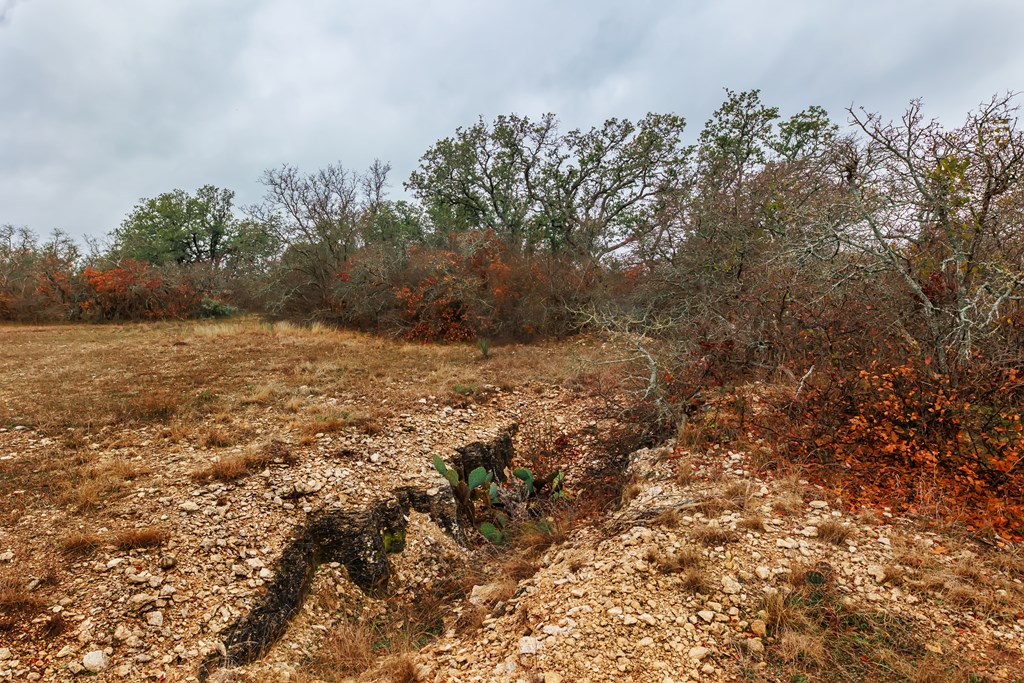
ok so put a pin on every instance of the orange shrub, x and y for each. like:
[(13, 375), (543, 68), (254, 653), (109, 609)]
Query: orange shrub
[(900, 431), (134, 290)]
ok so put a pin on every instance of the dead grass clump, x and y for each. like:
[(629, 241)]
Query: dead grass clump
[(970, 571), (806, 649), (753, 523), (263, 394), (833, 532), (668, 518), (518, 567), (365, 424), (712, 506), (684, 472), (155, 405), (536, 537), (17, 605), (788, 503), (966, 596), (739, 494), (629, 492), (712, 536), (1010, 561), (215, 437), (80, 544), (695, 580), (894, 574), (694, 434), (90, 487), (133, 539), (238, 465), (54, 626), (398, 669), (347, 650), (686, 557), (869, 517), (228, 468)]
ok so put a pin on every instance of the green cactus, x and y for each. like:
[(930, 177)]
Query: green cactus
[(527, 477), (492, 533), (451, 475), (394, 541), (478, 477)]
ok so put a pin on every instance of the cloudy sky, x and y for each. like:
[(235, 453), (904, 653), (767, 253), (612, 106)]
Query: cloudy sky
[(103, 102)]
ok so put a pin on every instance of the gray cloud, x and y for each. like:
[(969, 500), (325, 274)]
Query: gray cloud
[(6, 9), (102, 103)]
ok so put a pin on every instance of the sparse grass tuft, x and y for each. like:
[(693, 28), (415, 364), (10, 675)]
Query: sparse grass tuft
[(133, 539), (54, 626), (833, 532), (686, 557), (695, 580), (668, 518), (753, 523), (816, 633), (398, 669), (79, 545), (347, 650), (712, 536), (155, 405), (17, 605), (629, 492), (238, 465), (215, 437)]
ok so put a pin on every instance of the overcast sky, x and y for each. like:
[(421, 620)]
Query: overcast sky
[(103, 102)]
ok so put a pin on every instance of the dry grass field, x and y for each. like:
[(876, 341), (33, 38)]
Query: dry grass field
[(85, 390), (107, 433)]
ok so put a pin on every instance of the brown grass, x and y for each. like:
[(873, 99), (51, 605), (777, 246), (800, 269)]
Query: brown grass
[(235, 364), (216, 437), (696, 580), (752, 523), (684, 472), (686, 557), (238, 465), (398, 669), (711, 535), (629, 492), (133, 539), (347, 649), (668, 518), (17, 605), (833, 532), (815, 634), (54, 626), (81, 544), (155, 405), (1010, 561)]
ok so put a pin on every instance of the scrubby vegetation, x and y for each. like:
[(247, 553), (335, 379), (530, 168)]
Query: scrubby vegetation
[(870, 273)]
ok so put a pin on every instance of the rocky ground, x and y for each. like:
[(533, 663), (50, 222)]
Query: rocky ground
[(153, 612), (706, 571), (687, 581)]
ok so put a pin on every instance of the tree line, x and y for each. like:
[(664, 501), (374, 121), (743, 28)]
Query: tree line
[(764, 227), (876, 268)]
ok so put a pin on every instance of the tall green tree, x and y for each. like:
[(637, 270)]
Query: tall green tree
[(588, 193), (176, 227)]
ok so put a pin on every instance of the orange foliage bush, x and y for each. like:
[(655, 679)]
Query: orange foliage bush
[(906, 435), (134, 290), (479, 287)]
